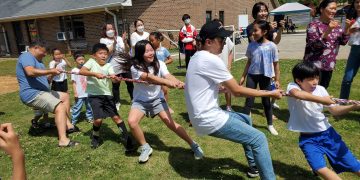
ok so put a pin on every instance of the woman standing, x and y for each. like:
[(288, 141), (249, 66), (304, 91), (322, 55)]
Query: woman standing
[(118, 52), (353, 62), (138, 35), (323, 38)]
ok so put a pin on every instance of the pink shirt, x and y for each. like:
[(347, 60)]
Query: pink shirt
[(321, 51)]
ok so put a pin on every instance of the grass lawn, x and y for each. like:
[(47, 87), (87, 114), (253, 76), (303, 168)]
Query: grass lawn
[(172, 158)]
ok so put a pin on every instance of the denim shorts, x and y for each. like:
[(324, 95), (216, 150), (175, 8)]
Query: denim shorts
[(328, 143), (151, 108)]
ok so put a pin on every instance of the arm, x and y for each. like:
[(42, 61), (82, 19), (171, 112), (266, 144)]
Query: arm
[(157, 80), (67, 61), (243, 76), (74, 89), (169, 60), (86, 72), (277, 74), (314, 39), (9, 142), (178, 83), (302, 95), (230, 60), (340, 110), (33, 72), (237, 90)]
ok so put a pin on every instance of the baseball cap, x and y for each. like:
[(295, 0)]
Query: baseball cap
[(212, 30)]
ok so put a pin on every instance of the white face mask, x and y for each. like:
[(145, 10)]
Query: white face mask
[(187, 21), (140, 28), (110, 33)]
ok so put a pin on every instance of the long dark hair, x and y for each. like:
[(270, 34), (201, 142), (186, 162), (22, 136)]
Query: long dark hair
[(264, 26), (257, 7), (323, 5), (352, 14), (139, 62), (103, 30)]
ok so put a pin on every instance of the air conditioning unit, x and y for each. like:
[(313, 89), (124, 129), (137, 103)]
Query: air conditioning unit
[(61, 36)]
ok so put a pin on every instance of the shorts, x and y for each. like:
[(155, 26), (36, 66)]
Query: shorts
[(59, 86), (102, 106), (329, 143), (46, 101), (151, 108)]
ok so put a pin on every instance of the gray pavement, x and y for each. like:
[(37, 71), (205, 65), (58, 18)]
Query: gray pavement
[(292, 46)]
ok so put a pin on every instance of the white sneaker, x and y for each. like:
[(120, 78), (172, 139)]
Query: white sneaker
[(198, 152), (228, 108), (275, 106), (272, 130), (145, 154), (118, 106)]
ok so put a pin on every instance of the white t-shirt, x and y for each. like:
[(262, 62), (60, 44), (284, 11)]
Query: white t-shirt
[(148, 92), (307, 116), (228, 47), (120, 46), (80, 82), (135, 37), (60, 66), (355, 37), (204, 74)]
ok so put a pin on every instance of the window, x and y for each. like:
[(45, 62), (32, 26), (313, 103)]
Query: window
[(221, 16), (208, 16), (74, 25), (32, 30)]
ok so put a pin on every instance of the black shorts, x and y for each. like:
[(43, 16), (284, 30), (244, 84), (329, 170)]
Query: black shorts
[(59, 86), (102, 106)]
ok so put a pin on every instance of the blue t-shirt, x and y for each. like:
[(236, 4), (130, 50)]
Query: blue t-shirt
[(262, 57), (30, 86), (162, 54)]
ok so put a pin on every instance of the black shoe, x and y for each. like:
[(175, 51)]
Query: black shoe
[(72, 130), (95, 142), (130, 147), (252, 172)]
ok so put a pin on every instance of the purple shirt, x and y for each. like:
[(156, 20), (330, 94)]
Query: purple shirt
[(321, 51)]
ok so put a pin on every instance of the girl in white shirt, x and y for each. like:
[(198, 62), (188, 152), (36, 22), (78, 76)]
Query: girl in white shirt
[(138, 35), (149, 99), (118, 50), (59, 82)]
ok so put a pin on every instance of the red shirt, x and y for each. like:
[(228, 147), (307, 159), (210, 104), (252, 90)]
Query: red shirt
[(188, 34)]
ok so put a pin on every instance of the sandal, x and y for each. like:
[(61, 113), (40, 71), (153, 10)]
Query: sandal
[(72, 130), (70, 144)]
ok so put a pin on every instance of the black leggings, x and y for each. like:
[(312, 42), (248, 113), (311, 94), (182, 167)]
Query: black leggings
[(188, 54), (116, 87), (264, 83), (325, 77)]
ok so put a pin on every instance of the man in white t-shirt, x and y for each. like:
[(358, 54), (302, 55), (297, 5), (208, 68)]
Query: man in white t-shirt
[(205, 75)]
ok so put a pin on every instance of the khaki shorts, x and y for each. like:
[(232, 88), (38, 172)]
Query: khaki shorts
[(46, 101)]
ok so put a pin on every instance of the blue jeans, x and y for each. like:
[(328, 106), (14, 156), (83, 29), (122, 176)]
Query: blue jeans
[(239, 129), (76, 109), (352, 67)]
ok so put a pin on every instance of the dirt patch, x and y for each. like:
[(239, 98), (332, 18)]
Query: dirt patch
[(8, 84)]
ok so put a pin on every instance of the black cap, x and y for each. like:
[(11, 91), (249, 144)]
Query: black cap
[(212, 30)]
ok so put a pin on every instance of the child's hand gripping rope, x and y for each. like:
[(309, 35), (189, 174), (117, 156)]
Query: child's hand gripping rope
[(340, 101)]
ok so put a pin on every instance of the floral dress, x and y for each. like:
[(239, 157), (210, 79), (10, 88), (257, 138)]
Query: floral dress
[(323, 51)]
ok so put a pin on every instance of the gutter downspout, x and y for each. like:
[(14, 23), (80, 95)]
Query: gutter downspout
[(115, 19), (6, 41)]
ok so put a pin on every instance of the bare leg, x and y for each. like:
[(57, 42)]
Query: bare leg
[(60, 121), (177, 128), (134, 119), (328, 174), (65, 99), (117, 119)]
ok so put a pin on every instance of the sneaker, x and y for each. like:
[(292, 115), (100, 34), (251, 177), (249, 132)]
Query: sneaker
[(252, 172), (274, 117), (118, 106), (228, 108), (275, 106), (95, 142), (272, 130), (171, 111), (198, 152), (145, 153)]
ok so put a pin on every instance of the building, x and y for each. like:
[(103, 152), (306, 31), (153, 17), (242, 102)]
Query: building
[(80, 21)]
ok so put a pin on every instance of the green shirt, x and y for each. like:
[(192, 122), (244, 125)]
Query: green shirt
[(97, 86)]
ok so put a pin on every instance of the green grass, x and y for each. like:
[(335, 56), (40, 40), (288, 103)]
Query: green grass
[(172, 158)]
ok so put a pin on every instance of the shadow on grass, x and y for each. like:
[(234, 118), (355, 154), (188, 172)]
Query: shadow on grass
[(179, 73), (106, 133), (2, 113), (292, 172)]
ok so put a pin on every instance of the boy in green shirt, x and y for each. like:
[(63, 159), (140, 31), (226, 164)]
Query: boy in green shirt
[(99, 76)]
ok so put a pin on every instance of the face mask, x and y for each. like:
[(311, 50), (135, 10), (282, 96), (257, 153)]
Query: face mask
[(140, 28), (187, 21), (110, 33)]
